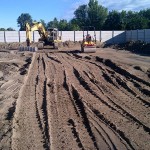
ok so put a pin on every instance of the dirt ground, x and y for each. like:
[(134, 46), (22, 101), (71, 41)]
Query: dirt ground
[(65, 99)]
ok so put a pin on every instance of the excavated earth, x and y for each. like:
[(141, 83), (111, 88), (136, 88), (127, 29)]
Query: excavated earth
[(63, 100)]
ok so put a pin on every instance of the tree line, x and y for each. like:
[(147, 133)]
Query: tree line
[(94, 14), (7, 29)]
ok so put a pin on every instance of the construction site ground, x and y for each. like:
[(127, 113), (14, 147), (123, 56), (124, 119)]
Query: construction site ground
[(67, 100)]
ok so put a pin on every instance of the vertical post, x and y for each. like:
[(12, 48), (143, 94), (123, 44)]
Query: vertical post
[(61, 35), (19, 36), (100, 36), (4, 37), (131, 35), (74, 36), (113, 37), (125, 35), (137, 34), (33, 37), (144, 35)]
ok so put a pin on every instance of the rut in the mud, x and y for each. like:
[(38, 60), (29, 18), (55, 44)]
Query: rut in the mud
[(71, 102)]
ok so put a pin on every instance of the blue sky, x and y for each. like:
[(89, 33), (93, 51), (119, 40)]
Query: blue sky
[(62, 9)]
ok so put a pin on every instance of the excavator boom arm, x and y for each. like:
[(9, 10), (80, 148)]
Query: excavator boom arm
[(36, 27)]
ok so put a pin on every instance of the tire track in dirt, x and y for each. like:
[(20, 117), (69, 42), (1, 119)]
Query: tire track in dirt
[(28, 123), (72, 67), (41, 111), (87, 87), (109, 79), (69, 108), (129, 77), (79, 108), (108, 76), (70, 103), (127, 115)]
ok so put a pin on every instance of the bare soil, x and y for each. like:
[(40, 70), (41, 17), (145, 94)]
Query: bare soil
[(13, 68), (69, 100)]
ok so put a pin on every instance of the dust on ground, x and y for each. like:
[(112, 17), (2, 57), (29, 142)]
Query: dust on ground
[(73, 100)]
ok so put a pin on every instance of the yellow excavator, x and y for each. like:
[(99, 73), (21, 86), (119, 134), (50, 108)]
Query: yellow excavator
[(50, 37)]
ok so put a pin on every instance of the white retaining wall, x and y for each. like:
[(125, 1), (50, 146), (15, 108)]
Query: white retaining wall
[(119, 37), (2, 36), (135, 35), (67, 35), (106, 36), (103, 36)]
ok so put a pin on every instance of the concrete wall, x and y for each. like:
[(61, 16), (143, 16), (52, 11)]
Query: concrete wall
[(135, 35), (106, 36), (12, 36), (67, 35), (103, 36), (2, 36)]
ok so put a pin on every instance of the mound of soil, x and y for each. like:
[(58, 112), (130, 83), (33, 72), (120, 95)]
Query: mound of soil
[(133, 46), (61, 45)]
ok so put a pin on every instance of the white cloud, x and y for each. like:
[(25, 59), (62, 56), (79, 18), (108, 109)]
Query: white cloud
[(134, 5), (70, 13)]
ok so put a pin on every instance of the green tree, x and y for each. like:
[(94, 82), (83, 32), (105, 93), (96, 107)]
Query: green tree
[(10, 29), (53, 24), (73, 25), (113, 21), (92, 14), (2, 29), (97, 14), (123, 20), (63, 25), (136, 21), (81, 15), (146, 14), (23, 19)]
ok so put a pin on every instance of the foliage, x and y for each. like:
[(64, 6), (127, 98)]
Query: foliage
[(93, 14), (97, 14), (23, 19), (2, 29), (8, 29), (135, 21), (53, 24), (113, 21), (63, 25), (81, 15), (73, 25)]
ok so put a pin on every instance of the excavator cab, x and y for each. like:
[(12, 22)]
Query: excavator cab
[(53, 37), (52, 33)]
